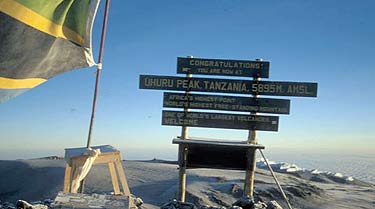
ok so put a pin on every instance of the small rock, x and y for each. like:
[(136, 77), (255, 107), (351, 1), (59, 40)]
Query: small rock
[(138, 202), (48, 202), (211, 207), (260, 205), (273, 205), (21, 204), (235, 207), (236, 190), (174, 204), (245, 203)]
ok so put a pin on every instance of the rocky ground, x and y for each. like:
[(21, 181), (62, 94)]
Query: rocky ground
[(156, 183)]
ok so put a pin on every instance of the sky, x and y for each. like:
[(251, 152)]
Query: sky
[(328, 42)]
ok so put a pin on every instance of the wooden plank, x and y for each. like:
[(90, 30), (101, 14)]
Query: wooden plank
[(115, 184), (220, 120), (244, 68), (108, 157), (102, 158), (82, 152), (67, 176), (274, 88), (227, 103), (122, 177)]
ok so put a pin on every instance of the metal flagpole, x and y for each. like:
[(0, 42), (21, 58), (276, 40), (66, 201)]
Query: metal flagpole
[(98, 70)]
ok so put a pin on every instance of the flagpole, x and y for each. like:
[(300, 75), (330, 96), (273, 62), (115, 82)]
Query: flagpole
[(98, 70)]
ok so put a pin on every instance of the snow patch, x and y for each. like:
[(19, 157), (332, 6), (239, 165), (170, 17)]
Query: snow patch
[(284, 167)]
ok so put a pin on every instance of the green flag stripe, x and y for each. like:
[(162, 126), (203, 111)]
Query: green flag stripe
[(69, 13), (33, 19), (29, 53)]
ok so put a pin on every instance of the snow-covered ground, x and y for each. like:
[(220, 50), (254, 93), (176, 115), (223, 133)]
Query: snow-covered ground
[(156, 183), (358, 165), (294, 169)]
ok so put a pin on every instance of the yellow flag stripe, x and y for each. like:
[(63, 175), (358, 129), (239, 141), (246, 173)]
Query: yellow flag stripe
[(10, 83), (33, 19)]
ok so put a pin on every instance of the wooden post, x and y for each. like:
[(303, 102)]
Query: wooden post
[(182, 166), (251, 155), (182, 155), (68, 171), (114, 179), (123, 181)]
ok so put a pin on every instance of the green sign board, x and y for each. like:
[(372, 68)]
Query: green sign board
[(220, 120), (274, 88), (222, 67), (227, 103)]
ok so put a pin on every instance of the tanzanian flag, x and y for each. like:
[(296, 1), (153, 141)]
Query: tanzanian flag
[(40, 39)]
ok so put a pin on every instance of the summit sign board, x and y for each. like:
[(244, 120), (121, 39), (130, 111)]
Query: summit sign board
[(219, 154), (243, 68), (275, 88)]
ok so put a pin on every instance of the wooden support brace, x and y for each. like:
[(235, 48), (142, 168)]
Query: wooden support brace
[(73, 175), (67, 178), (122, 177), (114, 179)]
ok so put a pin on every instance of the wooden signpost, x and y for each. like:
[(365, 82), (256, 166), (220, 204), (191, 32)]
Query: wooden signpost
[(220, 154), (250, 167)]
